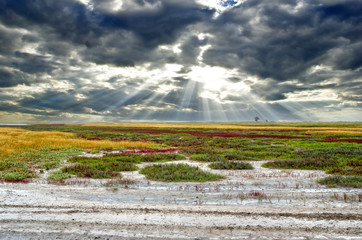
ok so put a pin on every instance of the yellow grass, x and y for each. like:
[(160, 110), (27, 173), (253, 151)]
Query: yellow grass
[(323, 128), (15, 140), (338, 132), (188, 125)]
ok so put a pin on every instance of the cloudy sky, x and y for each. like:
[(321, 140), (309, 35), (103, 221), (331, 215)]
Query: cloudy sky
[(180, 60)]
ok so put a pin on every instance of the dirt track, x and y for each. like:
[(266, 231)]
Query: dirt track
[(152, 210)]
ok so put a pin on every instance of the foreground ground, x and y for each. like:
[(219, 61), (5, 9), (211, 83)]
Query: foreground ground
[(254, 204), (47, 191)]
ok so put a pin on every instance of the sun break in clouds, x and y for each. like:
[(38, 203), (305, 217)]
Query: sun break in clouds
[(169, 60)]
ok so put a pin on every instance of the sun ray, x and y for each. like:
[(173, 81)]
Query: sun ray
[(188, 93), (206, 110)]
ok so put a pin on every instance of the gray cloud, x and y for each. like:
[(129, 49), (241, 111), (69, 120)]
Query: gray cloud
[(265, 39), (9, 78), (277, 47)]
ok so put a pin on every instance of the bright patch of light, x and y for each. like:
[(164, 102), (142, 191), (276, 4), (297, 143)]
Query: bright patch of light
[(216, 85), (30, 48), (176, 49), (164, 89), (116, 5), (209, 3), (293, 9), (319, 68), (23, 90), (220, 5), (202, 51), (12, 103), (123, 5), (87, 3), (313, 95), (215, 78), (138, 107), (328, 82), (89, 110), (291, 82), (61, 85), (202, 36), (104, 72), (299, 6), (79, 96), (209, 95)]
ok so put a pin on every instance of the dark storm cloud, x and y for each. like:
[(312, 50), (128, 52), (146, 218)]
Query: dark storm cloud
[(131, 36), (57, 48), (122, 38), (266, 39), (9, 78), (5, 106), (52, 100), (271, 90), (30, 63), (160, 25), (68, 19), (9, 41), (97, 101), (190, 49), (62, 42), (24, 68)]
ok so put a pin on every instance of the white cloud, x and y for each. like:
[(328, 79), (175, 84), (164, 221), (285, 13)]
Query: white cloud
[(313, 95)]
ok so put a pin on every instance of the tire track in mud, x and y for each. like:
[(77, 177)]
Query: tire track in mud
[(163, 222), (84, 226), (189, 210)]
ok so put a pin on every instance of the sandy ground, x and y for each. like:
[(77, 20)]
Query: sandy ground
[(248, 204)]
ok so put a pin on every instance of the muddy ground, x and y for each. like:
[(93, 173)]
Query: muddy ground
[(248, 204)]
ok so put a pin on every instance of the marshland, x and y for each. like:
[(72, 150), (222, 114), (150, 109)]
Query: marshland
[(290, 168)]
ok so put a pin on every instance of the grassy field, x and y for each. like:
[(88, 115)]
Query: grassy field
[(332, 147), (23, 151)]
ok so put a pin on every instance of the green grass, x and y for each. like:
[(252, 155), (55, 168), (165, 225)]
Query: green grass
[(140, 158), (206, 158), (231, 165), (104, 164), (59, 175), (108, 165), (307, 164), (17, 175), (13, 170), (98, 167), (340, 158), (335, 160), (89, 172), (178, 173), (342, 181), (346, 171), (17, 167)]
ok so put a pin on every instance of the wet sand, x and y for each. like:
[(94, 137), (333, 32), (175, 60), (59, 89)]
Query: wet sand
[(248, 204)]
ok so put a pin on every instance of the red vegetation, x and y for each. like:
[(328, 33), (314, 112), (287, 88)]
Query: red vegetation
[(271, 136), (350, 140), (149, 151), (23, 181), (272, 130), (167, 131), (205, 134)]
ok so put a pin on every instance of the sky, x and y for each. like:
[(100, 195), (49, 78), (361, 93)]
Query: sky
[(180, 60)]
